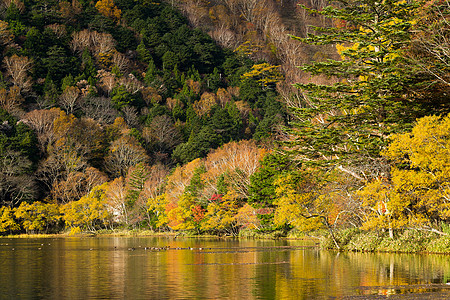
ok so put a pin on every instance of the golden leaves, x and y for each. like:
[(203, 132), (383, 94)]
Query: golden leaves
[(418, 192), (265, 73), (108, 9)]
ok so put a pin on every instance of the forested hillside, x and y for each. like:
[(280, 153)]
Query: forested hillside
[(261, 29), (182, 116), (92, 89)]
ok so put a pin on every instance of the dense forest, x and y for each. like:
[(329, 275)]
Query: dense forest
[(182, 116)]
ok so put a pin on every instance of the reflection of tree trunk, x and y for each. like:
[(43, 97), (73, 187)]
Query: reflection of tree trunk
[(391, 271)]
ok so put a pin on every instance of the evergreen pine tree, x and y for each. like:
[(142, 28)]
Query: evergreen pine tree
[(346, 124)]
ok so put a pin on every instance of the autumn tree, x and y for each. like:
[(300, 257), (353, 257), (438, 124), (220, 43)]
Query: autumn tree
[(11, 100), (221, 215), (18, 69), (208, 194), (116, 195), (162, 135), (76, 185), (188, 213), (18, 155), (177, 182), (267, 75), (240, 160), (247, 217), (100, 109), (70, 10), (123, 153), (6, 35), (42, 123), (204, 105), (96, 42), (7, 220), (303, 202), (16, 182), (153, 193), (108, 9), (78, 143), (416, 196), (157, 212), (88, 213), (69, 99), (38, 217), (430, 45)]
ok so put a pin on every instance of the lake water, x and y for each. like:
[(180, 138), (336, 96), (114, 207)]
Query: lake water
[(201, 268)]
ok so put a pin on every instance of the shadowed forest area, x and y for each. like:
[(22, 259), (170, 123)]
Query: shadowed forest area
[(229, 117)]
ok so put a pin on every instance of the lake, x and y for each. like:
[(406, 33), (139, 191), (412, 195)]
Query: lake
[(210, 268)]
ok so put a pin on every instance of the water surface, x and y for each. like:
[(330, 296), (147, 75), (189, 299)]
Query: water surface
[(200, 268)]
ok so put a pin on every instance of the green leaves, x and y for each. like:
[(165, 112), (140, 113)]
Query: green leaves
[(367, 97)]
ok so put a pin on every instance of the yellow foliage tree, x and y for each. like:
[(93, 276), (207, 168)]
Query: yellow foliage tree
[(37, 216), (187, 214), (266, 74), (293, 206), (302, 202), (422, 169), (90, 212), (157, 209), (108, 9), (7, 221), (385, 208), (418, 192), (204, 105)]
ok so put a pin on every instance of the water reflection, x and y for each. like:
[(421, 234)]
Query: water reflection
[(122, 268)]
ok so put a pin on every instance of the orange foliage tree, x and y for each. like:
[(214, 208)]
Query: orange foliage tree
[(225, 173)]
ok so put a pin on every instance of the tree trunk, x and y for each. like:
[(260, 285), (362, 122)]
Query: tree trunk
[(391, 232), (325, 221)]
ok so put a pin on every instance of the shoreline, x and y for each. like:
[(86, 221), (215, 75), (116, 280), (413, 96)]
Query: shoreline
[(350, 240)]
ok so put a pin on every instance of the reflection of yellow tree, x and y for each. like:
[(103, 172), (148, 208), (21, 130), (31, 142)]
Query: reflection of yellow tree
[(353, 270)]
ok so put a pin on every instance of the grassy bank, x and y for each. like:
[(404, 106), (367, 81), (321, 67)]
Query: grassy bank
[(408, 241)]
